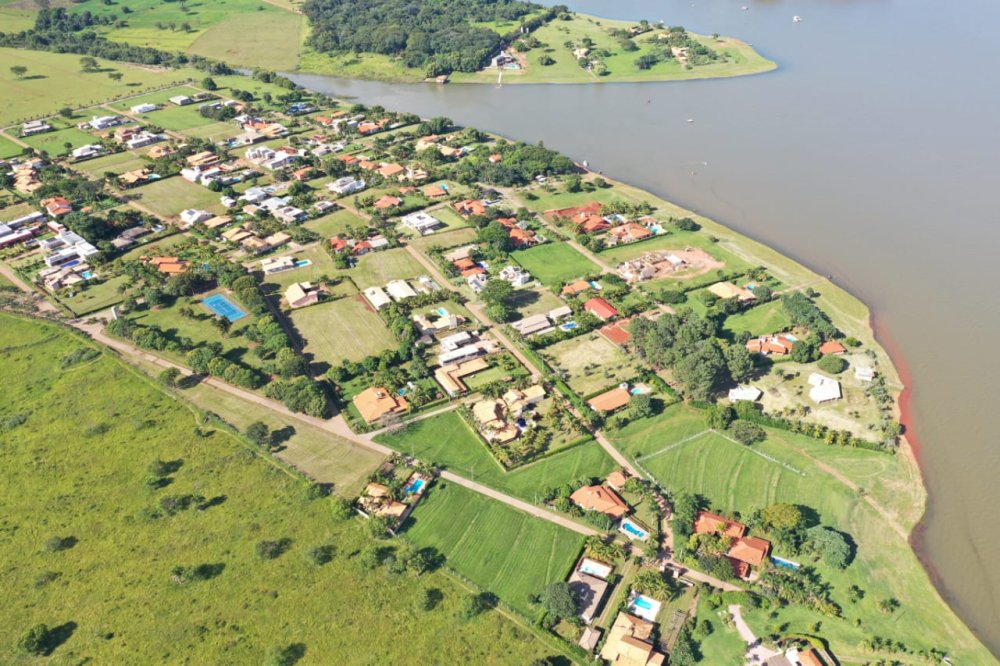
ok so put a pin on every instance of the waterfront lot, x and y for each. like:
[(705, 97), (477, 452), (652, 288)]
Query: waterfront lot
[(759, 320), (590, 363), (499, 548), (552, 263), (345, 329)]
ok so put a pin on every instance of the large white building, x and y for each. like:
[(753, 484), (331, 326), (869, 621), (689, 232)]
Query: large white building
[(421, 222)]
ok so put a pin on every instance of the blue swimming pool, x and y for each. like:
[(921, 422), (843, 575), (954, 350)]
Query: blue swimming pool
[(785, 564), (656, 229), (642, 602), (223, 307), (568, 326), (302, 263), (86, 275), (415, 486), (596, 285), (634, 530), (442, 312)]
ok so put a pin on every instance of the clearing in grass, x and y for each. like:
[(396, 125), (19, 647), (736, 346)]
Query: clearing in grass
[(552, 263), (501, 549), (111, 534), (342, 330), (590, 363)]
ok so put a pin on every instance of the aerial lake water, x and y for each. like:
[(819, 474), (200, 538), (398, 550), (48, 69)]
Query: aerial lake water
[(869, 155)]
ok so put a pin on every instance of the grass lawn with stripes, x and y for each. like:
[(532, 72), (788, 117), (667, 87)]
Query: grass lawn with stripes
[(501, 549)]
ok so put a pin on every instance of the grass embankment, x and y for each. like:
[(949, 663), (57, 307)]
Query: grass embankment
[(675, 449), (55, 80), (77, 467), (501, 549)]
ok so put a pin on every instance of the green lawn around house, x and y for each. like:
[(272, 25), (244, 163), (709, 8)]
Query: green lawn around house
[(529, 302), (160, 98), (552, 263), (168, 197), (344, 329), (444, 239), (447, 440), (591, 363), (760, 320), (375, 269), (510, 553), (93, 296), (77, 469), (55, 80), (786, 468)]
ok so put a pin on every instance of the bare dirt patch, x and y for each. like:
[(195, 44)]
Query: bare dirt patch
[(685, 264)]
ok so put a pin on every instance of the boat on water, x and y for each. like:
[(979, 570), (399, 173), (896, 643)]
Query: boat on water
[(797, 19)]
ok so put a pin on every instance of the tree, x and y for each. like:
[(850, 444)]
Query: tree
[(35, 641), (272, 549), (746, 432), (830, 545), (285, 656), (66, 112), (208, 83), (19, 71), (888, 606), (739, 362), (115, 76), (169, 377), (259, 434), (474, 604), (832, 364), (88, 64), (654, 584), (718, 417), (641, 406), (557, 599), (782, 517), (497, 292)]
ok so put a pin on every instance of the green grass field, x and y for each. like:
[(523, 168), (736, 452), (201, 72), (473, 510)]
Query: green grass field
[(55, 80), (760, 320), (345, 329), (168, 197), (9, 149), (117, 163), (784, 468), (591, 363), (507, 552), (76, 469), (54, 143), (94, 297), (447, 441), (259, 39), (551, 263), (335, 224), (375, 269)]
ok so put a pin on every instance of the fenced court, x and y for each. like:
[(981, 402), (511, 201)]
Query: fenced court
[(223, 307)]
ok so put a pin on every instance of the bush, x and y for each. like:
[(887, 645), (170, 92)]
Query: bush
[(320, 555), (35, 641), (341, 509), (832, 364), (747, 433), (270, 550)]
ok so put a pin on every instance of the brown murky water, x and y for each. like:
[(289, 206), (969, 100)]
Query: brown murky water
[(870, 155)]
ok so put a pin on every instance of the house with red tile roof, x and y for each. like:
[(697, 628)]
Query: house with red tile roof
[(58, 206), (523, 237), (713, 523), (496, 158), (616, 333), (387, 202), (435, 191), (750, 551), (616, 479), (600, 308), (575, 288), (469, 207), (611, 400), (630, 232), (347, 159), (390, 170), (779, 345), (832, 347), (338, 244), (601, 499)]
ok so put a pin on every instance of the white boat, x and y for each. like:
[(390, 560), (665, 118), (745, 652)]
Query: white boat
[(690, 120), (797, 19)]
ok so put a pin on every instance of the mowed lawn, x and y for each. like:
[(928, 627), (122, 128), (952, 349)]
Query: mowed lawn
[(335, 224), (54, 143), (117, 163), (258, 39), (591, 363), (446, 440), (510, 553), (341, 330), (552, 263), (375, 269), (168, 197), (761, 320), (676, 449), (54, 80), (77, 469)]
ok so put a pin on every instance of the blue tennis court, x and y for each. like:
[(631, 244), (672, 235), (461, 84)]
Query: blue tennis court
[(223, 307)]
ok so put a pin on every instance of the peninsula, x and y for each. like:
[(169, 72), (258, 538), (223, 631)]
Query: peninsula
[(287, 377)]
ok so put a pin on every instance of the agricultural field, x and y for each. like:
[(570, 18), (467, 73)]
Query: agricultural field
[(787, 468), (101, 546), (344, 329), (552, 263), (448, 441), (168, 197), (266, 39), (55, 80), (501, 549), (590, 363), (760, 320)]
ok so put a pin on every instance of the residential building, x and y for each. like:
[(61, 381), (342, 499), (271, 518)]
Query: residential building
[(450, 376), (712, 523), (832, 347), (376, 402), (727, 290), (346, 185), (104, 122), (170, 265), (388, 202), (600, 308), (289, 214), (86, 152), (589, 592), (779, 345), (747, 552), (193, 216), (65, 247), (181, 100), (302, 294), (824, 389), (746, 393), (628, 643), (533, 325), (516, 275), (35, 127), (610, 401), (864, 374), (273, 265), (56, 207), (144, 108), (399, 290), (376, 297), (421, 222), (143, 139), (630, 232), (576, 288), (601, 499)]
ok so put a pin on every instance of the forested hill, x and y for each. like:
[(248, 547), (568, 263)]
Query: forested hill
[(436, 35)]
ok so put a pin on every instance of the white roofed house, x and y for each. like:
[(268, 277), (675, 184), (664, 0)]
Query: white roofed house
[(421, 222), (104, 122), (65, 247), (144, 108), (824, 389), (376, 297), (516, 275), (399, 289), (194, 216), (143, 139), (346, 185), (301, 294), (289, 214), (748, 393), (273, 265), (87, 152), (533, 325), (34, 127)]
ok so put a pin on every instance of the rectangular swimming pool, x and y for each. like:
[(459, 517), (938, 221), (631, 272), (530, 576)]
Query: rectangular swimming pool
[(595, 568), (633, 530), (645, 607), (223, 307), (414, 486)]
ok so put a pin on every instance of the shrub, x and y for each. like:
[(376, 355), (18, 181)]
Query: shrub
[(35, 640), (271, 550), (747, 433), (320, 555), (832, 364)]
